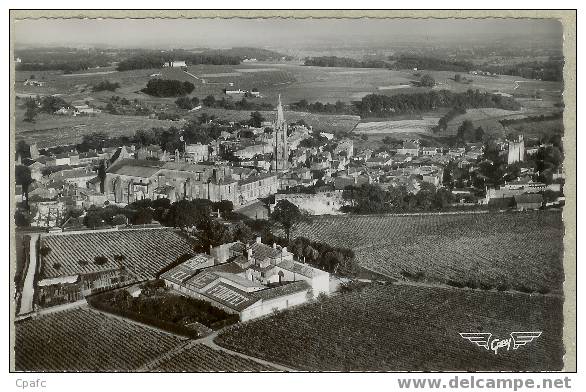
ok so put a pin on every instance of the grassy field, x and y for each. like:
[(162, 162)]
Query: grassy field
[(401, 327), (519, 251), (85, 340), (202, 358)]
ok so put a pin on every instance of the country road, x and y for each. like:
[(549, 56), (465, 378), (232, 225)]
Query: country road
[(28, 289)]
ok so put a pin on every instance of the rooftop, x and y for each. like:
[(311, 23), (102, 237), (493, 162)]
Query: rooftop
[(285, 289)]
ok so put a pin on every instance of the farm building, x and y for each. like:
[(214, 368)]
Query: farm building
[(75, 264), (528, 201), (197, 152), (409, 148), (175, 64), (32, 82), (248, 280)]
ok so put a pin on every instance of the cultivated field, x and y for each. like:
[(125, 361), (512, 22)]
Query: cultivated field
[(488, 118), (520, 251), (201, 358), (402, 327), (146, 251), (85, 340), (54, 130), (397, 126)]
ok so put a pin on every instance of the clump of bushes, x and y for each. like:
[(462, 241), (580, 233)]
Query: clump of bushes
[(105, 86), (44, 251), (417, 276), (352, 286), (100, 260)]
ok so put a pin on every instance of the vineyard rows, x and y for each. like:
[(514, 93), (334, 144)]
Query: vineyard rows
[(401, 327), (201, 358), (146, 252), (508, 249), (85, 340)]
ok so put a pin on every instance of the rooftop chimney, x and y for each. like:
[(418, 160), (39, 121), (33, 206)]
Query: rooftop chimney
[(274, 245), (258, 240)]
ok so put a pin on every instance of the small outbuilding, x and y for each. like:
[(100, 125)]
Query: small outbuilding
[(528, 201)]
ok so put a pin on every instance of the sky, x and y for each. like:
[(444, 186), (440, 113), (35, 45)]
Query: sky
[(219, 33)]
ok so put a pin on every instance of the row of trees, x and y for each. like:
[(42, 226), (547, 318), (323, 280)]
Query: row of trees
[(385, 106), (430, 63), (393, 62), (372, 199), (551, 70), (156, 59), (388, 106), (334, 61), (317, 107)]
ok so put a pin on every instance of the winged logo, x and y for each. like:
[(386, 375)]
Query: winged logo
[(517, 339), (522, 338), (481, 339)]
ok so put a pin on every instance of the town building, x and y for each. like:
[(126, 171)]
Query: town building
[(281, 148), (320, 203), (129, 180), (516, 151)]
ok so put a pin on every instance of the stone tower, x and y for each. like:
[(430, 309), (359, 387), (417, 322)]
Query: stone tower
[(516, 151), (280, 148)]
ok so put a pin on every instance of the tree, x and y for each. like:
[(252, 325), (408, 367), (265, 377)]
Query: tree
[(50, 104), (142, 217), (466, 131), (281, 276), (22, 219), (256, 119), (242, 232), (31, 110), (184, 103), (209, 101), (119, 219), (211, 233), (427, 81), (100, 260), (287, 215), (119, 259), (102, 175), (23, 177), (183, 214)]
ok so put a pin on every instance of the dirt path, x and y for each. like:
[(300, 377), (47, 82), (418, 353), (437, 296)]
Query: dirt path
[(209, 341), (187, 344), (28, 289)]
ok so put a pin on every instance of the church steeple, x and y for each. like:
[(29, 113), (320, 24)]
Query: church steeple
[(280, 116)]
